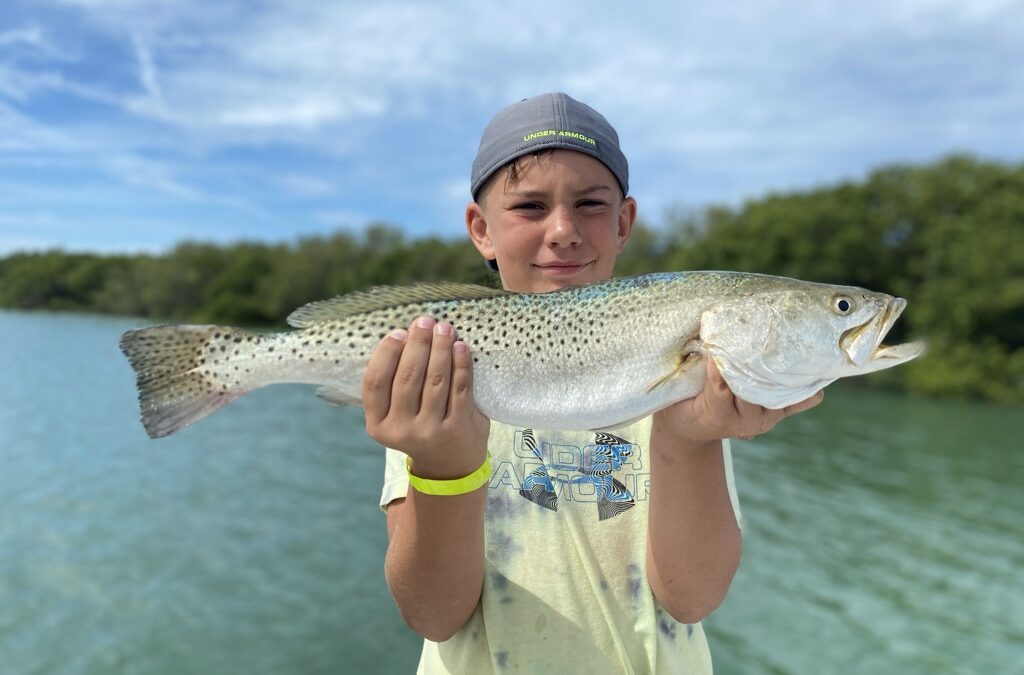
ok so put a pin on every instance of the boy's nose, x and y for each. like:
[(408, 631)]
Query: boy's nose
[(562, 230)]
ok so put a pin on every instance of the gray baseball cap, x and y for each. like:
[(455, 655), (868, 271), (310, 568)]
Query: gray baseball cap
[(545, 122)]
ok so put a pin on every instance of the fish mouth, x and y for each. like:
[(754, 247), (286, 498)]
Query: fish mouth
[(863, 344)]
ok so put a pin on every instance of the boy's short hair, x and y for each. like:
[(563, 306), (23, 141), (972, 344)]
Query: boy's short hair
[(547, 122)]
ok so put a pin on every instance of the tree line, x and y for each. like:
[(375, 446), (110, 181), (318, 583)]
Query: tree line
[(948, 236)]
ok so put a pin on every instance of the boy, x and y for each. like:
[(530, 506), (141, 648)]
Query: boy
[(521, 550)]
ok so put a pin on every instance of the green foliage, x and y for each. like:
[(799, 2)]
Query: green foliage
[(244, 283), (52, 280), (948, 237)]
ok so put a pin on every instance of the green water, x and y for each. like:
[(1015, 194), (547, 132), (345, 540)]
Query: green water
[(882, 534)]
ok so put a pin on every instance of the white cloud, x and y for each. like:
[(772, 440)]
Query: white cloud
[(288, 66), (153, 175), (20, 133), (213, 104), (304, 185), (147, 71), (667, 73), (28, 35)]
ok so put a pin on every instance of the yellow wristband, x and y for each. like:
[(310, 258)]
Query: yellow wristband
[(450, 488)]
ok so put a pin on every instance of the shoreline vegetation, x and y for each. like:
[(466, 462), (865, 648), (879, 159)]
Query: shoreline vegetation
[(948, 237)]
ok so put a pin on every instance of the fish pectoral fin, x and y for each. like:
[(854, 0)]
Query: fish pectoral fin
[(687, 360), (338, 396)]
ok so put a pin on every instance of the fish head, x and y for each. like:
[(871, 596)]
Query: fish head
[(779, 345)]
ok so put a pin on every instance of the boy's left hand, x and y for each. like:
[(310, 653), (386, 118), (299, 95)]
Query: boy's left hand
[(716, 413)]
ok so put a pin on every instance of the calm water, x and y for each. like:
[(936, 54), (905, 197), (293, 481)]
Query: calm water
[(882, 534)]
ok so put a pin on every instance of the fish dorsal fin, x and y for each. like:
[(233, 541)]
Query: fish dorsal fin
[(382, 297)]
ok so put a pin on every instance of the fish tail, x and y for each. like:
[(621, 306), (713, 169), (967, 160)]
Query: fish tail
[(175, 383)]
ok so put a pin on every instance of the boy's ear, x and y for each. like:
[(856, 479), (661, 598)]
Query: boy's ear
[(476, 225), (627, 217)]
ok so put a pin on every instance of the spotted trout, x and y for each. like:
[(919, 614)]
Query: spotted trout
[(590, 357)]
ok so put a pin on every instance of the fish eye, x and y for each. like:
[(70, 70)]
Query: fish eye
[(842, 305)]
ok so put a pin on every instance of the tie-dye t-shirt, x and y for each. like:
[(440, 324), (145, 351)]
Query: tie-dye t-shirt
[(565, 586)]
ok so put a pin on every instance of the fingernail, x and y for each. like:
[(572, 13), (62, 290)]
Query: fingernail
[(425, 322), (443, 328), (460, 347), (399, 334)]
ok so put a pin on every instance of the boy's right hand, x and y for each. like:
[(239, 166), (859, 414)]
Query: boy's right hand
[(418, 398)]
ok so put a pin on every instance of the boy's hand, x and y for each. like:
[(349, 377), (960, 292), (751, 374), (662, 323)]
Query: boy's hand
[(716, 413), (418, 397)]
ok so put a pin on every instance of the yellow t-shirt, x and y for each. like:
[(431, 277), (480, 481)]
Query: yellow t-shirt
[(565, 585)]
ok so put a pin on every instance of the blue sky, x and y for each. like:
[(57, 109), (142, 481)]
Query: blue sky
[(128, 125)]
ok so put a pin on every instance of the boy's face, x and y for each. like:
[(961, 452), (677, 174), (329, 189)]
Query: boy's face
[(562, 223)]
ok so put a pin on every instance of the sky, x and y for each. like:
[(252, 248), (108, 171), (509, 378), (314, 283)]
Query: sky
[(131, 125)]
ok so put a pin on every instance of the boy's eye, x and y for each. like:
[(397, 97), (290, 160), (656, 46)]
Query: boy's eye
[(527, 206), (590, 202)]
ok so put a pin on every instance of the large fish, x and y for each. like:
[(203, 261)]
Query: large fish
[(590, 357)]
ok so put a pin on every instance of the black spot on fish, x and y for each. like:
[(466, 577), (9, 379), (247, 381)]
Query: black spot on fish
[(501, 658)]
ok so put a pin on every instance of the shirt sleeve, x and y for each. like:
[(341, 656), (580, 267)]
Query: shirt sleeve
[(396, 479), (730, 480)]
